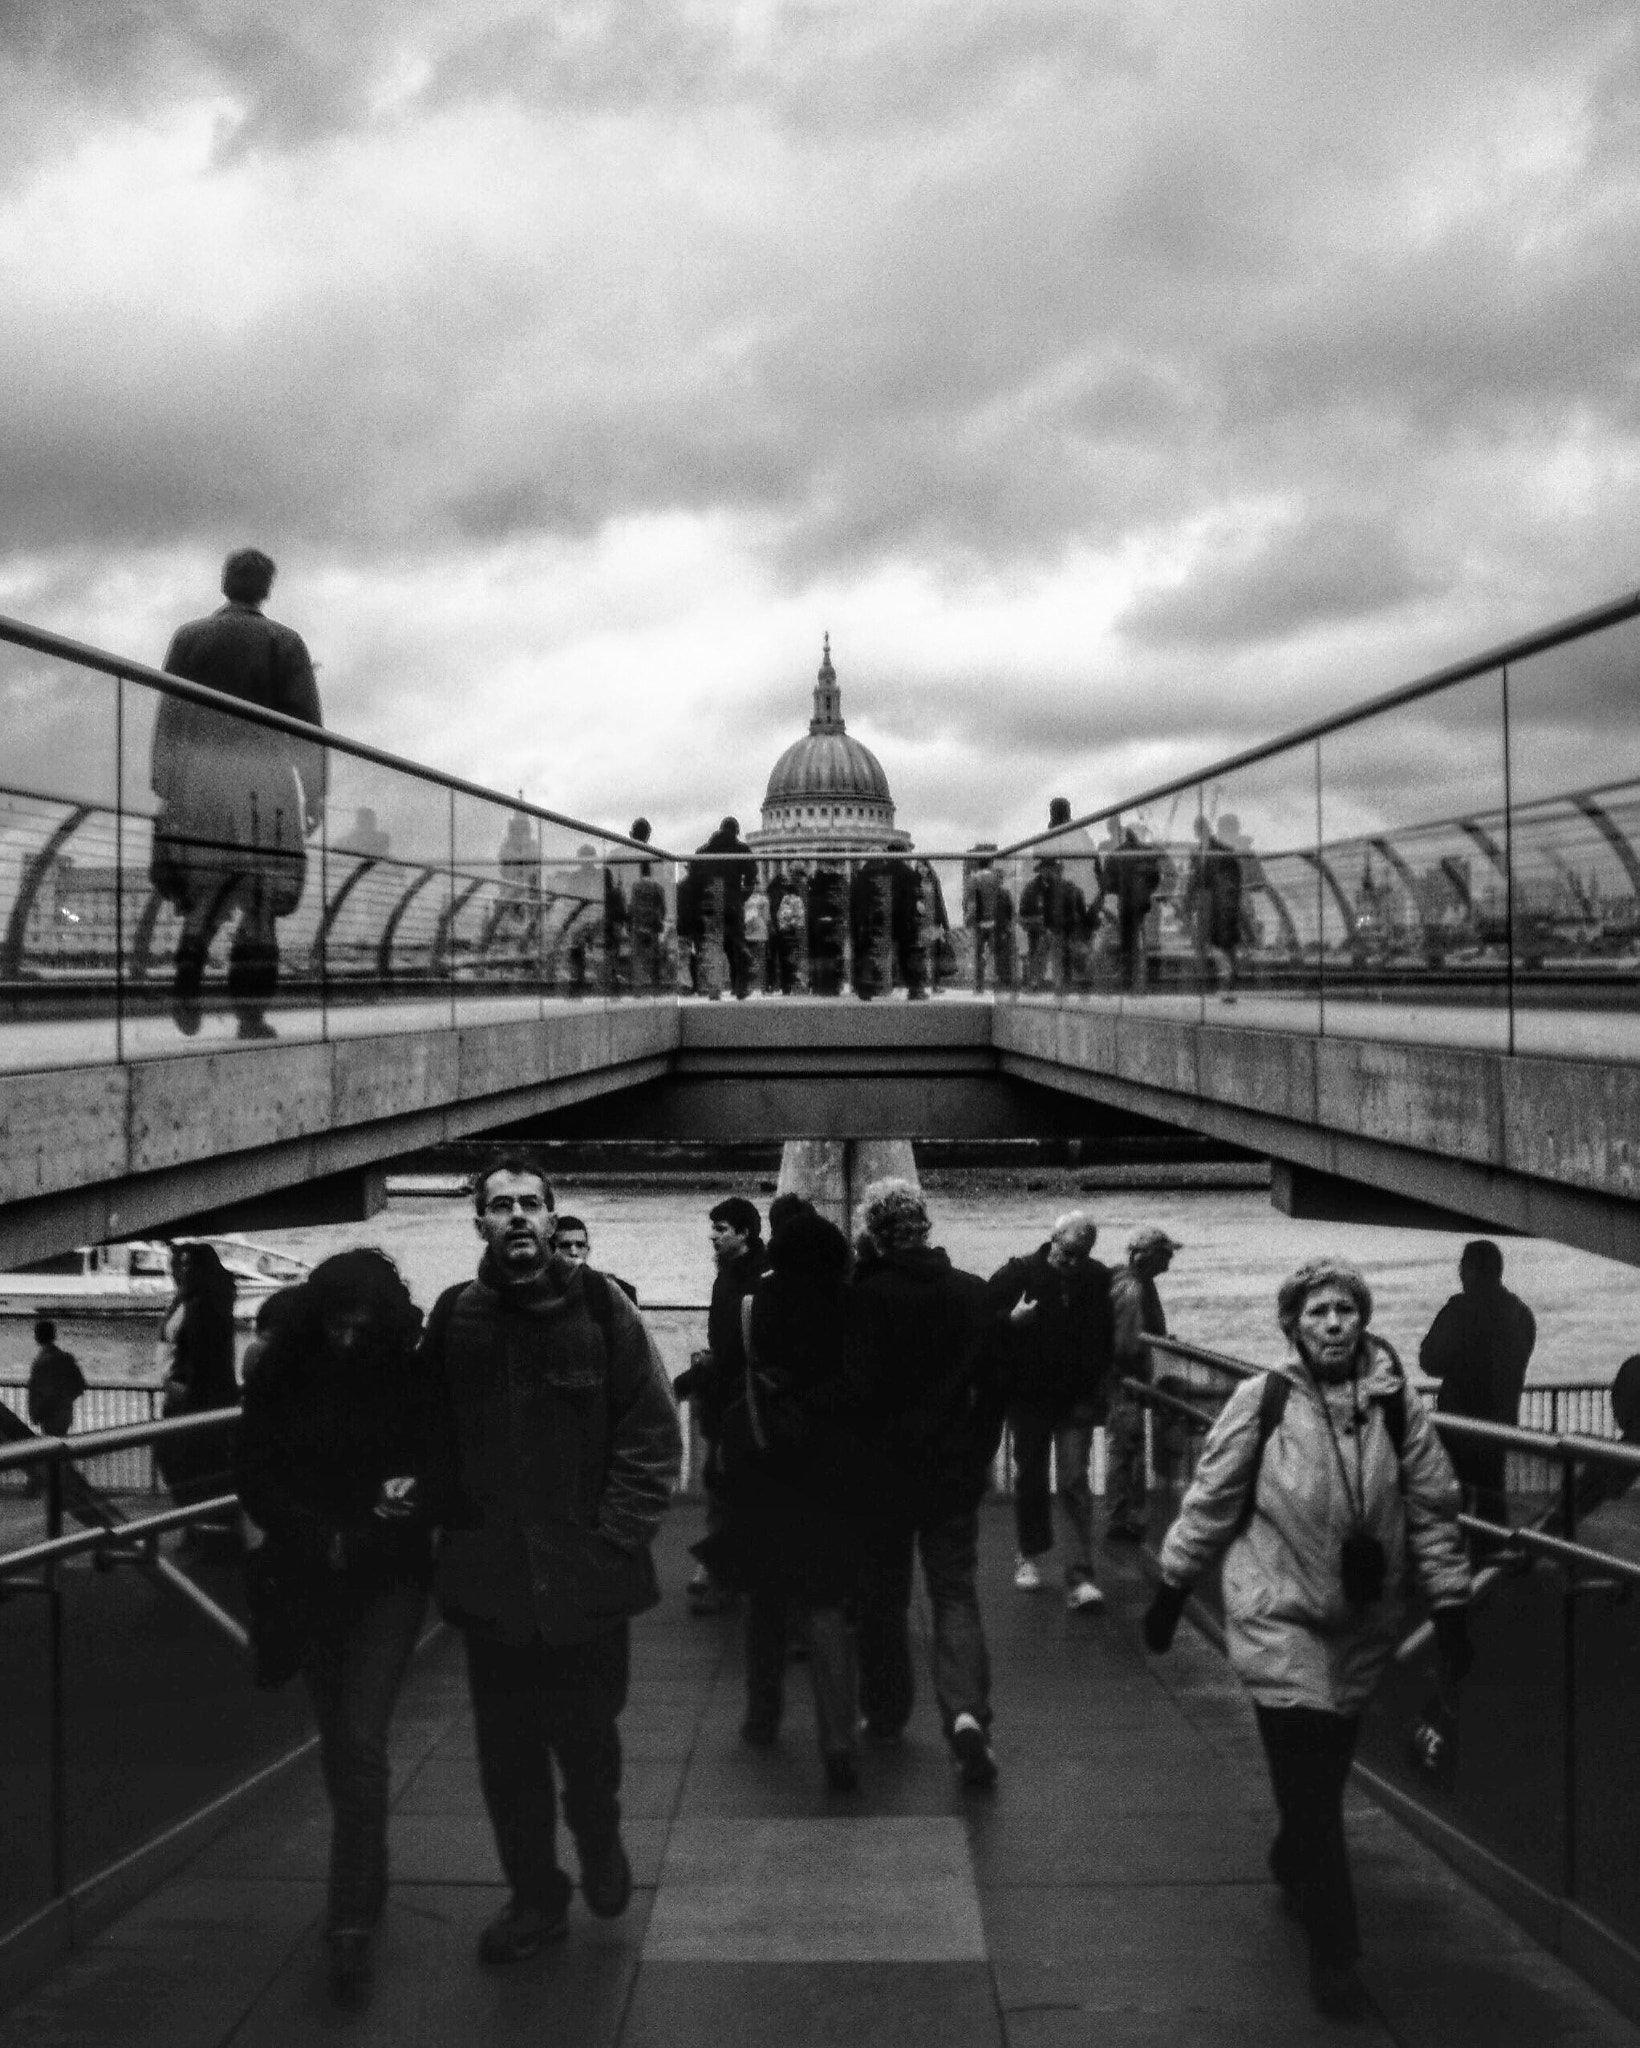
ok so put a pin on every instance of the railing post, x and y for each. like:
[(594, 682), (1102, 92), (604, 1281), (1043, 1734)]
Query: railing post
[(1568, 1681), (54, 1681)]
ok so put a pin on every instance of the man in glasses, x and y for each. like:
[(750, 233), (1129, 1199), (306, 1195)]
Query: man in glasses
[(554, 1446)]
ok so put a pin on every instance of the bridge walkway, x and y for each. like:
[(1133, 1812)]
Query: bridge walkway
[(1112, 1890)]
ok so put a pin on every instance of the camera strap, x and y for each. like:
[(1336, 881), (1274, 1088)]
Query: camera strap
[(1356, 1495)]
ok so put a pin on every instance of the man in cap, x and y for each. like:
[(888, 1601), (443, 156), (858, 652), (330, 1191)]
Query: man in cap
[(1136, 1312)]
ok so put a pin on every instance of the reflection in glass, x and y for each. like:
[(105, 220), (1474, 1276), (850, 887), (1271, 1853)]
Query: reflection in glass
[(1415, 870)]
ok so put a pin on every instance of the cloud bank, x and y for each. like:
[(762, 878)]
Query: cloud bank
[(1120, 384)]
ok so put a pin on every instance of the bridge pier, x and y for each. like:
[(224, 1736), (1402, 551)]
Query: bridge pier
[(833, 1173)]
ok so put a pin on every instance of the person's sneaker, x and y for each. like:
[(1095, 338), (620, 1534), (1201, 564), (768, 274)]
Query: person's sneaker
[(519, 1931), (606, 1879), (1027, 1579), (1124, 1532), (349, 1971), (1336, 1989), (760, 1730), (972, 1751), (883, 1734), (253, 1024), (1084, 1597)]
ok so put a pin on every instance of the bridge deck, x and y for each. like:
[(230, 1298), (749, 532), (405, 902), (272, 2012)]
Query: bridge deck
[(1112, 1890)]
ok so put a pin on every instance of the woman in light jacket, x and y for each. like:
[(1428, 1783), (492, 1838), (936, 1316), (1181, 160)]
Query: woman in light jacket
[(1318, 1529)]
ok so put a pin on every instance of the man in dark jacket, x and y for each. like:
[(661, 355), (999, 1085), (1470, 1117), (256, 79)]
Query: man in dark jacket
[(939, 1424), (55, 1384), (1057, 1345), (553, 1449), (716, 1375), (1478, 1347), (235, 796), (728, 881)]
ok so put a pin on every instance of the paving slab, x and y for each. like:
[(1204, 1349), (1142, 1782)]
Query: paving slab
[(855, 1890), (813, 2005)]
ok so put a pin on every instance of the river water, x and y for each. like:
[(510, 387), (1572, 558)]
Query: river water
[(1220, 1292)]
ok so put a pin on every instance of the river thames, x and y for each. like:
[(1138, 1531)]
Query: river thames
[(1221, 1291)]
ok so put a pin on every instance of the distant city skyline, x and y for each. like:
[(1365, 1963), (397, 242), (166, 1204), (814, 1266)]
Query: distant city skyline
[(1118, 384)]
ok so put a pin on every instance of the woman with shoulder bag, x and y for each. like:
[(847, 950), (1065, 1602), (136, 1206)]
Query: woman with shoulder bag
[(1318, 1501), (328, 1465)]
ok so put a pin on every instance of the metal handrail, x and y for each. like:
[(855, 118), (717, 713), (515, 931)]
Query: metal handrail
[(92, 1443), (1535, 1443), (58, 645), (1573, 628)]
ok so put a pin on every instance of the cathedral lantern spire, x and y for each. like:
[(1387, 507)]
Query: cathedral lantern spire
[(828, 697)]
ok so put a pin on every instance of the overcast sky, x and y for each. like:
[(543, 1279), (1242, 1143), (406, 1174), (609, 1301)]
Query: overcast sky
[(1117, 383)]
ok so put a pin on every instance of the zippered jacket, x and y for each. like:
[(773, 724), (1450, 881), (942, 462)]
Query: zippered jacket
[(1293, 1638)]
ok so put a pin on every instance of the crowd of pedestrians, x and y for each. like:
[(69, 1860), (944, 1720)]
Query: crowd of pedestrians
[(511, 1458)]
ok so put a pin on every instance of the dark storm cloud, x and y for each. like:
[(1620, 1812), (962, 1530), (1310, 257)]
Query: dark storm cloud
[(1336, 566), (1305, 337)]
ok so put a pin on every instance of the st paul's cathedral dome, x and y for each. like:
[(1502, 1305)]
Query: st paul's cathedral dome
[(827, 793)]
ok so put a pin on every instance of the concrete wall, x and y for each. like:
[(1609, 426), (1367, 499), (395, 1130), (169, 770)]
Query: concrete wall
[(99, 1152), (1548, 1147)]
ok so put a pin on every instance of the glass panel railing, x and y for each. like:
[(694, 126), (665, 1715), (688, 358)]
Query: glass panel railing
[(1606, 1673), (1575, 842), (1509, 1793), (1413, 864), (159, 1715), (223, 868), (60, 903), (383, 954), (495, 931), (1265, 816)]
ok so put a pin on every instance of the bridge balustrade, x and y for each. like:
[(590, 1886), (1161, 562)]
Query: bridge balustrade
[(1548, 1781), (1454, 863)]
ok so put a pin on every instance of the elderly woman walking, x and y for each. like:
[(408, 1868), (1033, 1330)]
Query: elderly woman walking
[(1319, 1485)]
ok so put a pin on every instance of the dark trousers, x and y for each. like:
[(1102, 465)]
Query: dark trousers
[(539, 1705), (832, 1665), (1309, 1754), (354, 1667), (949, 1546), (1036, 1438), (253, 957), (1125, 1477)]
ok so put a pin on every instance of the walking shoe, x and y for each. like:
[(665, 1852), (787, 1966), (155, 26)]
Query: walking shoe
[(760, 1730), (972, 1750), (1027, 1579), (1124, 1532), (1084, 1597), (606, 1879), (883, 1734), (519, 1931), (349, 1968)]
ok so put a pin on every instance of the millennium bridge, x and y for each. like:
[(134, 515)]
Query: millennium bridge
[(1425, 1006)]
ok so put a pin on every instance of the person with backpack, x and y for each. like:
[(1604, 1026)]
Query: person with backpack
[(1322, 1486), (552, 1450)]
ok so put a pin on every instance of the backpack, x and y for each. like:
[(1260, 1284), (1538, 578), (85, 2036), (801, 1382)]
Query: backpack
[(1272, 1405), (793, 912)]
